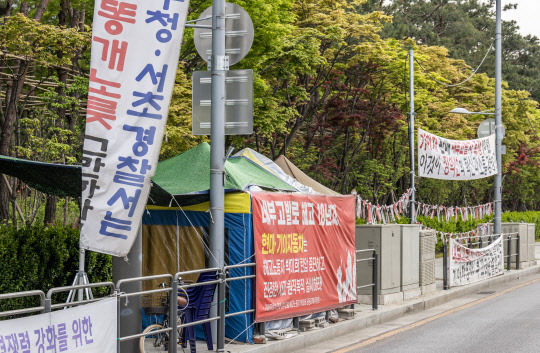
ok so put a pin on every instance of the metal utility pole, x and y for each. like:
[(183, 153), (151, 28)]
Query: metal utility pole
[(498, 121), (411, 135), (219, 65)]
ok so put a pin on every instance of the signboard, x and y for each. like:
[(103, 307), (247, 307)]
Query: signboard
[(305, 254), (238, 102), (239, 33), (472, 265), (85, 328), (441, 158), (135, 49)]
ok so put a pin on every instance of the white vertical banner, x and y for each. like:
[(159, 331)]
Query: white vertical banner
[(135, 50), (86, 328), (472, 265), (441, 158)]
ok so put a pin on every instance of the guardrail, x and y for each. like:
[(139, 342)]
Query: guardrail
[(374, 285)]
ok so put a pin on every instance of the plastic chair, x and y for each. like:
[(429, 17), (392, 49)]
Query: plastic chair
[(198, 308)]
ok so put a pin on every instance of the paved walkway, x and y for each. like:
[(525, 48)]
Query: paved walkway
[(366, 320)]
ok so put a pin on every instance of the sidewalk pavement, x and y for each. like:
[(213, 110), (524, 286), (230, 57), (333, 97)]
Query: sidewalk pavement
[(366, 317)]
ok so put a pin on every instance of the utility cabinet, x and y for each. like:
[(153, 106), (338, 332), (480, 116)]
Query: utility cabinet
[(386, 240), (526, 233), (428, 240), (531, 236), (410, 252), (522, 230)]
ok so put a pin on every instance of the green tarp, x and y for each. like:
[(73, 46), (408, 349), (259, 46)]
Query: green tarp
[(49, 178), (186, 177)]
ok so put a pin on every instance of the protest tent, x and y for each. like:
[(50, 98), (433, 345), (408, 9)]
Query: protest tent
[(289, 168), (177, 219)]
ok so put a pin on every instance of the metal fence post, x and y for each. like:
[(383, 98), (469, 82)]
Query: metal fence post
[(118, 334), (480, 244), (509, 260), (375, 289), (221, 312), (445, 266), (173, 317), (470, 243), (47, 305), (517, 253)]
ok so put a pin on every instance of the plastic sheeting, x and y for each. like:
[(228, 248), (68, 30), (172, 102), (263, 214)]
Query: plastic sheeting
[(160, 227)]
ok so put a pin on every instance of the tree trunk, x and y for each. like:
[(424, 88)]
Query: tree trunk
[(13, 94), (50, 210)]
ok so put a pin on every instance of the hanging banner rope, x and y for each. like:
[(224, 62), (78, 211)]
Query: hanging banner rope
[(474, 234), (392, 213)]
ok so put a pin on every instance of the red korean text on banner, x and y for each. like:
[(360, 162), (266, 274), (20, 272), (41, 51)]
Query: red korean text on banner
[(305, 254)]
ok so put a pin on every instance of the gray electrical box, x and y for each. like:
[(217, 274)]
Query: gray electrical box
[(428, 240), (524, 241), (410, 252), (531, 236), (386, 240)]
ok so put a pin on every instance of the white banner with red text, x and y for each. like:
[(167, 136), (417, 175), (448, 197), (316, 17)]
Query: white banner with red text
[(85, 328), (304, 252), (441, 158), (473, 265), (135, 50)]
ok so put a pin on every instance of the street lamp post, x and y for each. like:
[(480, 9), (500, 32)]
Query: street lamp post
[(499, 132)]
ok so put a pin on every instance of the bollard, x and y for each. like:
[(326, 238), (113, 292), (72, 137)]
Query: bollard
[(221, 312), (517, 253), (509, 260), (375, 289), (445, 267), (173, 317)]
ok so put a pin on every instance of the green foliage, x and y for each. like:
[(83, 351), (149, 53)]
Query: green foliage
[(524, 217), (40, 258)]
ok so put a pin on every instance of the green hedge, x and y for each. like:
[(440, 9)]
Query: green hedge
[(525, 217), (40, 257)]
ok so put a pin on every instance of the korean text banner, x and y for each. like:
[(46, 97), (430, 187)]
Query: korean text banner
[(440, 158), (135, 49), (86, 328), (305, 254), (472, 265)]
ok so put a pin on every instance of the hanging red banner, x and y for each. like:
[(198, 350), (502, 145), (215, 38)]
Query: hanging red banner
[(305, 254)]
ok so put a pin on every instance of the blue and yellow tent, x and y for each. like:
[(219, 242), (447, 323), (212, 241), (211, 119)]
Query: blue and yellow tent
[(175, 225)]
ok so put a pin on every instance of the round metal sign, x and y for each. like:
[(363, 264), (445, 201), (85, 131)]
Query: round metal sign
[(239, 33), (487, 127)]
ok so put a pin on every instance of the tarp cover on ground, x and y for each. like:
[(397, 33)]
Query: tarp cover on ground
[(135, 49), (305, 253)]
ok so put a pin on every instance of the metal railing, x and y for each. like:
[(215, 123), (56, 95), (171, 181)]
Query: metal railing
[(375, 270), (480, 245)]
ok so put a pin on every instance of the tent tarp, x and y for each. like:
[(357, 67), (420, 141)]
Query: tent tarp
[(189, 173), (49, 178), (239, 248), (292, 170)]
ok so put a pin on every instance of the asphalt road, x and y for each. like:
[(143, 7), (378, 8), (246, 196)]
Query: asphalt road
[(507, 322)]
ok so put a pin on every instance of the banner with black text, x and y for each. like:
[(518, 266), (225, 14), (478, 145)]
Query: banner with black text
[(441, 158)]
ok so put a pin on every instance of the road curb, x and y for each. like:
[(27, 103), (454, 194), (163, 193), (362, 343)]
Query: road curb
[(366, 319)]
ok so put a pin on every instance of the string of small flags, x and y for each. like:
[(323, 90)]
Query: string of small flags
[(447, 213), (474, 234), (391, 213), (383, 213)]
